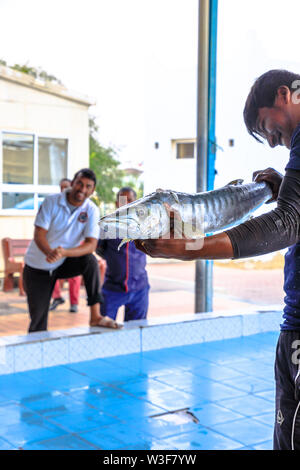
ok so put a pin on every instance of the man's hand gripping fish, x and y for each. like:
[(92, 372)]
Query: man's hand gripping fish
[(195, 215)]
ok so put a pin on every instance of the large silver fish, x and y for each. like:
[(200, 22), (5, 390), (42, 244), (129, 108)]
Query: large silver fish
[(195, 214)]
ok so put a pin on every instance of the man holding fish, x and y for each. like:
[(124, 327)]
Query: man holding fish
[(272, 112)]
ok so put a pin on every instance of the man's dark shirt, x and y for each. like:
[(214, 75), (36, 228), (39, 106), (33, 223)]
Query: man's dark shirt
[(126, 267), (276, 230)]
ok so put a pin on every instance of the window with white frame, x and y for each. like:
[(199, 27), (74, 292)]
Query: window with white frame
[(31, 167)]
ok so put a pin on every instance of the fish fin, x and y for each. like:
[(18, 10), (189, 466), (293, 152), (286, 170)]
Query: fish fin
[(125, 240), (236, 182), (175, 196)]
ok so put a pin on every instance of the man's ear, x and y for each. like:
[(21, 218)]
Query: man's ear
[(283, 95)]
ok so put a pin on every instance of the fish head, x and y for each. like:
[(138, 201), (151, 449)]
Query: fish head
[(142, 219)]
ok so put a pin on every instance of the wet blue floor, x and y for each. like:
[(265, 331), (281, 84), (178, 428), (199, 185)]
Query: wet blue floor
[(111, 403)]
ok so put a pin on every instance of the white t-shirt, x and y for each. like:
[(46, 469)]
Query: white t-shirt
[(64, 228)]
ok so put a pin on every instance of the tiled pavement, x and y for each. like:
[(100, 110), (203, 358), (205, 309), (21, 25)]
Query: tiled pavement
[(120, 402), (171, 293)]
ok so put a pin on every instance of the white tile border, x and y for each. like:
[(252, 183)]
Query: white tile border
[(55, 352), (45, 349), (28, 356)]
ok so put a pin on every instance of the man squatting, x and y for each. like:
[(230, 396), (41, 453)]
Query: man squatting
[(65, 236)]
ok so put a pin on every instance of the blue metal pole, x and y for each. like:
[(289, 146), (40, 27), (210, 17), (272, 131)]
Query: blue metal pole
[(211, 141), (207, 46), (212, 73)]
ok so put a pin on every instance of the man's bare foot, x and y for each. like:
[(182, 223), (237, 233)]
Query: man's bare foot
[(105, 322)]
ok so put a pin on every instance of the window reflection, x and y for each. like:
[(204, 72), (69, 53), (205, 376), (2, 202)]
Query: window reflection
[(18, 201), (185, 150), (17, 158), (52, 162), (30, 160)]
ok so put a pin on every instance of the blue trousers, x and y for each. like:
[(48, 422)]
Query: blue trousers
[(136, 303)]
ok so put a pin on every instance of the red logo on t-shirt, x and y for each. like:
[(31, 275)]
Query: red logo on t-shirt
[(83, 216)]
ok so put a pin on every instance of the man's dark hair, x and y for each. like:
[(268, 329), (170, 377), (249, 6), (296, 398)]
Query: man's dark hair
[(126, 189), (65, 179), (86, 173), (263, 94)]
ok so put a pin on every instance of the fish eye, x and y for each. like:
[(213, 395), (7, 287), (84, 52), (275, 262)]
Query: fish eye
[(141, 212)]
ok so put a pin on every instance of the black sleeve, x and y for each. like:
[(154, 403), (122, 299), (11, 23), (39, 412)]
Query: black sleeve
[(101, 246), (275, 230)]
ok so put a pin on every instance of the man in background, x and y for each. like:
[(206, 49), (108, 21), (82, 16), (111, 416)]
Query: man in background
[(74, 282), (65, 236), (126, 279)]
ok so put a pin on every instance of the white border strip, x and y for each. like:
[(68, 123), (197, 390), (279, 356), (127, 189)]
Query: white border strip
[(34, 351)]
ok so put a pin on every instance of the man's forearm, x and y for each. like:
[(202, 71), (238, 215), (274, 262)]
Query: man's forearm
[(214, 247), (87, 247), (274, 230), (40, 239)]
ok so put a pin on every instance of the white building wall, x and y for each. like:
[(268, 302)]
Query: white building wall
[(171, 96), (27, 109), (170, 114)]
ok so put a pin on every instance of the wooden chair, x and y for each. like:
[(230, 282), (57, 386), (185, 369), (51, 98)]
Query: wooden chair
[(13, 252)]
